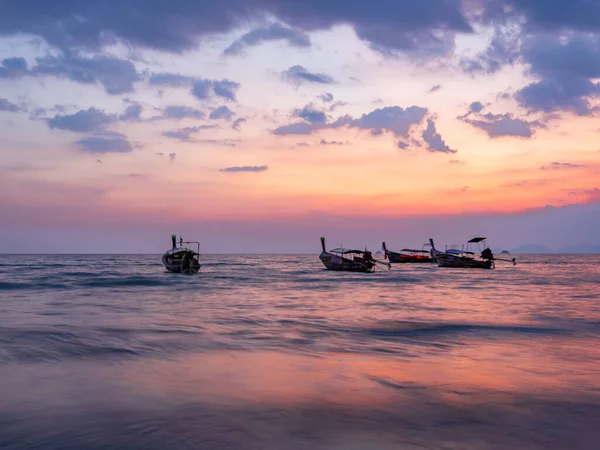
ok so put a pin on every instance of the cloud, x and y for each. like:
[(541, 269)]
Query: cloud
[(7, 106), (402, 145), (222, 112), (298, 128), (224, 142), (434, 140), (172, 157), (184, 134), (202, 89), (502, 125), (108, 143), (435, 88), (84, 121), (298, 75), (326, 97), (311, 115), (237, 169), (170, 80), (562, 165), (504, 48), (13, 67), (182, 112), (393, 119), (549, 15), (272, 32), (180, 25), (237, 123), (567, 70), (226, 89), (326, 142), (476, 107), (132, 112), (117, 76), (336, 105)]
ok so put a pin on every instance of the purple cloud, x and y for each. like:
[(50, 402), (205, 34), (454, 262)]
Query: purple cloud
[(434, 141), (299, 75), (109, 143), (8, 106), (311, 115), (182, 112), (222, 112), (179, 25), (238, 169), (237, 123), (184, 134), (503, 125), (272, 32), (13, 67), (117, 76), (84, 121), (562, 165), (326, 97)]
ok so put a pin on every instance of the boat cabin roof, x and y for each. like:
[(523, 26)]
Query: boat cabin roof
[(477, 239)]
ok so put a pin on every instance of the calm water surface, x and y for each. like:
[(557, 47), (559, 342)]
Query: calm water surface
[(272, 352)]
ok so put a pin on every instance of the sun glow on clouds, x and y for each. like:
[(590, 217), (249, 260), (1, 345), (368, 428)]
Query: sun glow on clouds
[(324, 108)]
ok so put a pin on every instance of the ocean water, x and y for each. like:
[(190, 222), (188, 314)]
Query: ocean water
[(273, 352)]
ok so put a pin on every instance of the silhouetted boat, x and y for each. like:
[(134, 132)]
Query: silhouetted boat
[(348, 260), (407, 255), (464, 258), (182, 259)]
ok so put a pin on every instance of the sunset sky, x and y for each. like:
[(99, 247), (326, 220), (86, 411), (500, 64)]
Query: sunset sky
[(260, 125)]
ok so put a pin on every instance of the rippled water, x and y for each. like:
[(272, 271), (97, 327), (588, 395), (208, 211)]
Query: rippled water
[(273, 352)]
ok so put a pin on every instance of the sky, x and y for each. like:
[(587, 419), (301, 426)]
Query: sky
[(261, 125)]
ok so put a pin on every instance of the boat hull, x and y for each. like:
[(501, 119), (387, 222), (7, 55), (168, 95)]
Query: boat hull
[(463, 263), (184, 261), (399, 258), (335, 262)]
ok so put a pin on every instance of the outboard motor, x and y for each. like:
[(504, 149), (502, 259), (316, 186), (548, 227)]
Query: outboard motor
[(487, 254)]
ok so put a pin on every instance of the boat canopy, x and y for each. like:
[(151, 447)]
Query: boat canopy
[(477, 239)]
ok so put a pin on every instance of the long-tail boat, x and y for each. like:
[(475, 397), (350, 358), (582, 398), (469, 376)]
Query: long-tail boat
[(464, 258), (407, 255), (182, 259), (348, 260)]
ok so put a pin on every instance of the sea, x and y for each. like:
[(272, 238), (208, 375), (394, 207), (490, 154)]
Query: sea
[(274, 352)]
